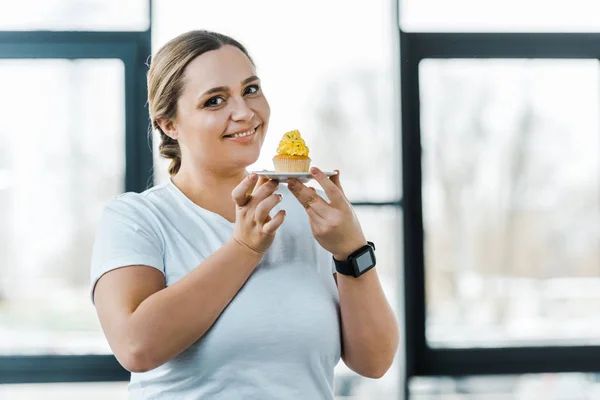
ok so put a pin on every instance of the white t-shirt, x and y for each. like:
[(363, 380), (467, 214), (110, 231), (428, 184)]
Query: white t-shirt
[(280, 336)]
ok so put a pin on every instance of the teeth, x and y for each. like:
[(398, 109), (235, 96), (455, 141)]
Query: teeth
[(243, 134)]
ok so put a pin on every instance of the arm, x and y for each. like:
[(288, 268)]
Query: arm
[(370, 331), (147, 324)]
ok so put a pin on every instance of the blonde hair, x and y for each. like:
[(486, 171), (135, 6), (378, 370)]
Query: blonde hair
[(165, 81)]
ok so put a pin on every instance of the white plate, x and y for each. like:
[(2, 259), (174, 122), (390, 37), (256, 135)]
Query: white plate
[(284, 176)]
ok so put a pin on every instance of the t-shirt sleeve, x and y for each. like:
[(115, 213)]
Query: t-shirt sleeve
[(125, 237)]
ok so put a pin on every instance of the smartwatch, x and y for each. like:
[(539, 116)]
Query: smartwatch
[(358, 262)]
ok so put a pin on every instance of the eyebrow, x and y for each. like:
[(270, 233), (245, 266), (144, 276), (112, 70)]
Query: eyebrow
[(225, 88)]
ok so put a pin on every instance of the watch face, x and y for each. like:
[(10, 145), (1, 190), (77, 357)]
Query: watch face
[(364, 261)]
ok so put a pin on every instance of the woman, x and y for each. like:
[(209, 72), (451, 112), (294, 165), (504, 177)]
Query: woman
[(215, 286)]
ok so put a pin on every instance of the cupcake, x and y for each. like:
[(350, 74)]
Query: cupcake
[(292, 154)]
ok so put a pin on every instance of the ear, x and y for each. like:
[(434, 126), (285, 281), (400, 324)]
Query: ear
[(168, 127)]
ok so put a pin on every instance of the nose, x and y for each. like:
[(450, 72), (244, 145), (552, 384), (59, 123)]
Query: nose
[(241, 111)]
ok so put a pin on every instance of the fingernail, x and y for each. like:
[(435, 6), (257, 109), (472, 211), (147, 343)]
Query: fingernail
[(314, 170), (252, 177), (291, 183), (284, 212), (280, 196)]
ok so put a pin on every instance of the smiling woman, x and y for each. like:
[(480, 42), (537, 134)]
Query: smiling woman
[(212, 284), (187, 94)]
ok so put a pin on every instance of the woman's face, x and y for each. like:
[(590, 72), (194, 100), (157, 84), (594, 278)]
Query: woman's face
[(222, 114)]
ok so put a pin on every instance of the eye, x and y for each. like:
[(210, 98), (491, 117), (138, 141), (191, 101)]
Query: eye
[(214, 101), (252, 89)]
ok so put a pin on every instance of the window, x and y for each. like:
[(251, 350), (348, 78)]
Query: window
[(499, 16), (70, 391), (570, 386), (75, 15), (342, 100), (63, 158), (73, 137), (511, 201), (500, 203)]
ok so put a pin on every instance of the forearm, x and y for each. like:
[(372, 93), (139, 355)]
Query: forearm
[(369, 326), (171, 320)]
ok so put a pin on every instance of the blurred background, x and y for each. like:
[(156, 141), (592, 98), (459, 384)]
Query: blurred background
[(510, 157)]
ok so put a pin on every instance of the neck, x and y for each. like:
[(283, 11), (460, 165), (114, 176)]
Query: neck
[(209, 188)]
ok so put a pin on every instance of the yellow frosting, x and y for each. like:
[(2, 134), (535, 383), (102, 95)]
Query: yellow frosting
[(292, 144)]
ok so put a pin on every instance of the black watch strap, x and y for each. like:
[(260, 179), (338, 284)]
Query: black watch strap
[(346, 267)]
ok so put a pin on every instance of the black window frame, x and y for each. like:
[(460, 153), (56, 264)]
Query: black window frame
[(133, 49), (422, 360)]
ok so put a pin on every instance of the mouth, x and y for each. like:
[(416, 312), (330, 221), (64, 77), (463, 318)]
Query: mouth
[(241, 135)]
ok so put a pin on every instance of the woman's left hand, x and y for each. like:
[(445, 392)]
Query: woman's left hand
[(334, 224)]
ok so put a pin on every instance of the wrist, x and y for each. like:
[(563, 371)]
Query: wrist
[(358, 262), (344, 254), (245, 250)]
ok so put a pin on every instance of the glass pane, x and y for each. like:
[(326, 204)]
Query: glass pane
[(522, 387), (342, 101), (66, 391), (511, 201), (62, 157), (77, 15), (499, 16)]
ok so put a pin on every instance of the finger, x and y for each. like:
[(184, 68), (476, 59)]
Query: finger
[(264, 207), (309, 199), (271, 226), (336, 180), (314, 216), (333, 192), (261, 181), (241, 193), (262, 192)]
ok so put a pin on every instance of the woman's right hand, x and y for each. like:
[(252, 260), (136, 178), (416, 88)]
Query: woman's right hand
[(255, 198)]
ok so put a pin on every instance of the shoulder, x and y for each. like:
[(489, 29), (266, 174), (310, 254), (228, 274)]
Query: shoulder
[(132, 217), (136, 210), (133, 202)]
